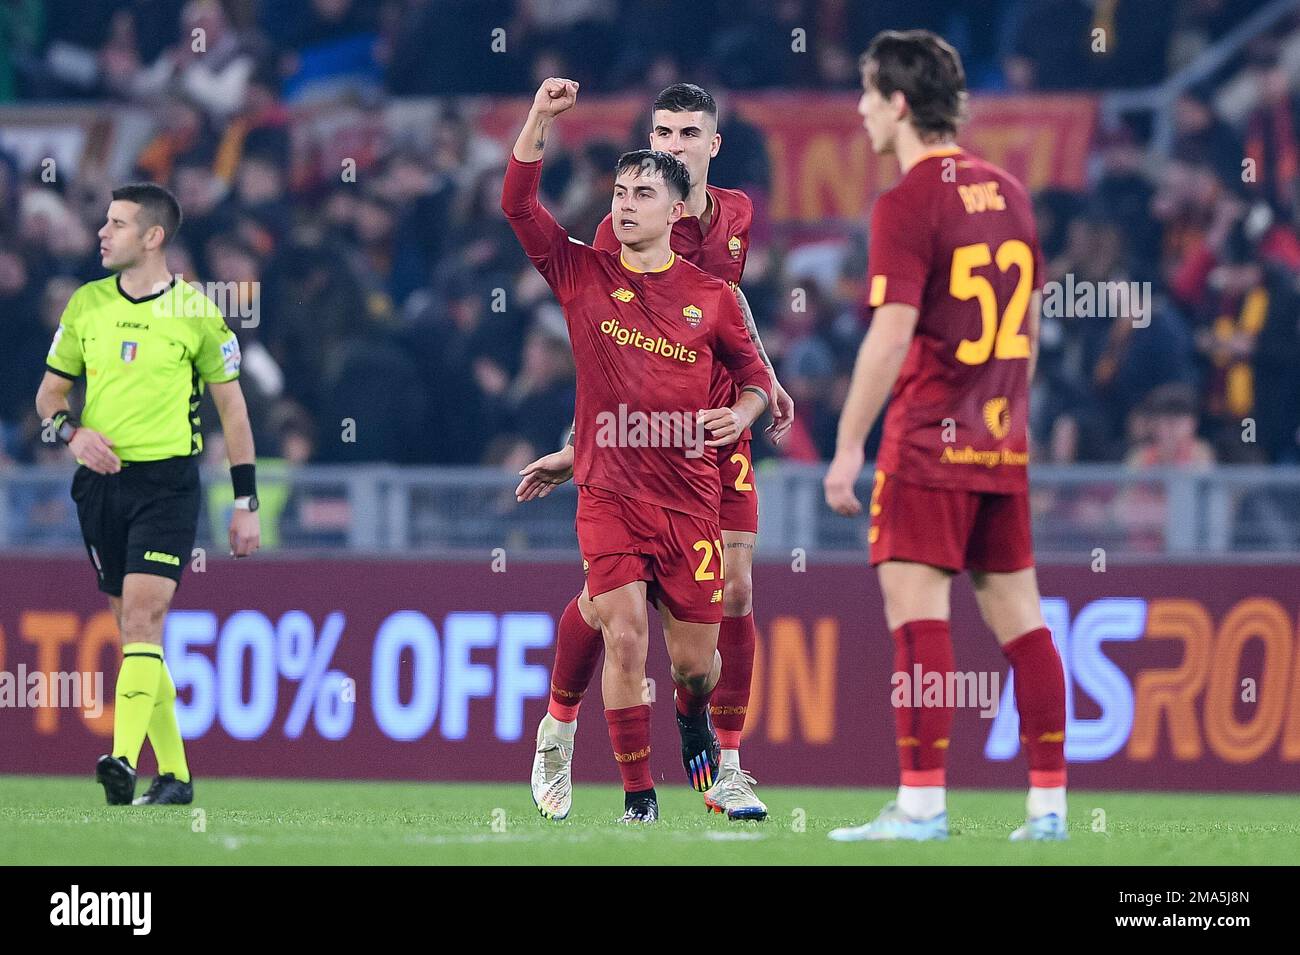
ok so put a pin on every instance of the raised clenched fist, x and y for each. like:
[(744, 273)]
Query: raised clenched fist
[(555, 95)]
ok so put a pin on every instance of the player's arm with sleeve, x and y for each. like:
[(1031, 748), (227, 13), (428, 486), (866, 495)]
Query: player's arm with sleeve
[(898, 263), (217, 363), (63, 365), (734, 348), (782, 404), (547, 245)]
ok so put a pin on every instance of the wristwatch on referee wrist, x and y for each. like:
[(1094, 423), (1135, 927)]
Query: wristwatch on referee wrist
[(248, 503)]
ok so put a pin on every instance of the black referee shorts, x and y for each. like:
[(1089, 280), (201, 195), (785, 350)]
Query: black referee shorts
[(141, 520)]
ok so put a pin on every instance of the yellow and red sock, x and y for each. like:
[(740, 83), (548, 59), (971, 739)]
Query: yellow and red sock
[(923, 731), (730, 703), (629, 734), (1040, 700), (577, 651)]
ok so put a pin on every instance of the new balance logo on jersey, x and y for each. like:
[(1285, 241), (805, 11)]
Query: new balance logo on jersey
[(622, 294)]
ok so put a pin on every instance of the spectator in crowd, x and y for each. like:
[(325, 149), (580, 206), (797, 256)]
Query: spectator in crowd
[(22, 359), (538, 404), (1248, 343), (210, 64), (1200, 136), (1162, 435), (1272, 135)]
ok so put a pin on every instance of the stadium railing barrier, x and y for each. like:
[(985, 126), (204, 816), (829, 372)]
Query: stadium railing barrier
[(1082, 513)]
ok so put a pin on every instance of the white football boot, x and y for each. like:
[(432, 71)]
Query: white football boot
[(733, 794), (553, 767)]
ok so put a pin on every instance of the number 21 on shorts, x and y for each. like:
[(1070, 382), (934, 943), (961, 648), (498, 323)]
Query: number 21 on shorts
[(707, 548)]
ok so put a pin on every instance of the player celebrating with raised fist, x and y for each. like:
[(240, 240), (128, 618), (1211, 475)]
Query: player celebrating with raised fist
[(713, 234), (954, 277), (646, 328)]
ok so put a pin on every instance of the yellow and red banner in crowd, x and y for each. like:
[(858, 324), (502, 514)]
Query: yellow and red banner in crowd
[(821, 163)]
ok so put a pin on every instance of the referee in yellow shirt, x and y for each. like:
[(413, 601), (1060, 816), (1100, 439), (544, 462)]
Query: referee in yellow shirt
[(147, 343)]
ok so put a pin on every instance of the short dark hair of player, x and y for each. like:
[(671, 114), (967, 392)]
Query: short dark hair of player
[(645, 161), (925, 68), (157, 207), (687, 98)]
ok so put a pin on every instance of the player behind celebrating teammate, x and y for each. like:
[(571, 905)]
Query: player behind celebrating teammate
[(954, 272), (646, 328), (146, 343), (713, 234)]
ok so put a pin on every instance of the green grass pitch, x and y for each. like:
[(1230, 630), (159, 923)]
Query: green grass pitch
[(63, 820)]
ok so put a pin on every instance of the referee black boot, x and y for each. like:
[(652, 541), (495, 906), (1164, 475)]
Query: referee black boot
[(167, 790), (117, 777)]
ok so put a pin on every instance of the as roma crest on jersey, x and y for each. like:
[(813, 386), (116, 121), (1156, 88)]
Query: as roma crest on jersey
[(734, 247), (997, 417), (692, 316), (129, 349)]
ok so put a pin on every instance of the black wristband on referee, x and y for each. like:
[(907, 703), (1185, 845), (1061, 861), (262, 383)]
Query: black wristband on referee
[(60, 418), (244, 479)]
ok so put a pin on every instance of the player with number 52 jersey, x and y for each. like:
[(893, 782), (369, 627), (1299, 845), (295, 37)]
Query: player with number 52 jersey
[(956, 240), (954, 269)]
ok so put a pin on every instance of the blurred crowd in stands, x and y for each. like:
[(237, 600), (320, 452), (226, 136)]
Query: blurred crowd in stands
[(379, 302)]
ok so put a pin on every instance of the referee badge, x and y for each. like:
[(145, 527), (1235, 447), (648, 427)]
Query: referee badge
[(230, 356), (128, 350)]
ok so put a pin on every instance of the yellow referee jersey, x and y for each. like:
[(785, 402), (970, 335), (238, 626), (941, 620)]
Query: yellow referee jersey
[(145, 361)]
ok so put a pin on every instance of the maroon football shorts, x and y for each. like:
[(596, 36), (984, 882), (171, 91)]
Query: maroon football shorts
[(679, 555), (952, 529)]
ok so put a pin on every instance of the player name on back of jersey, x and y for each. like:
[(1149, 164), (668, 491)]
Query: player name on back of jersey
[(982, 197)]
